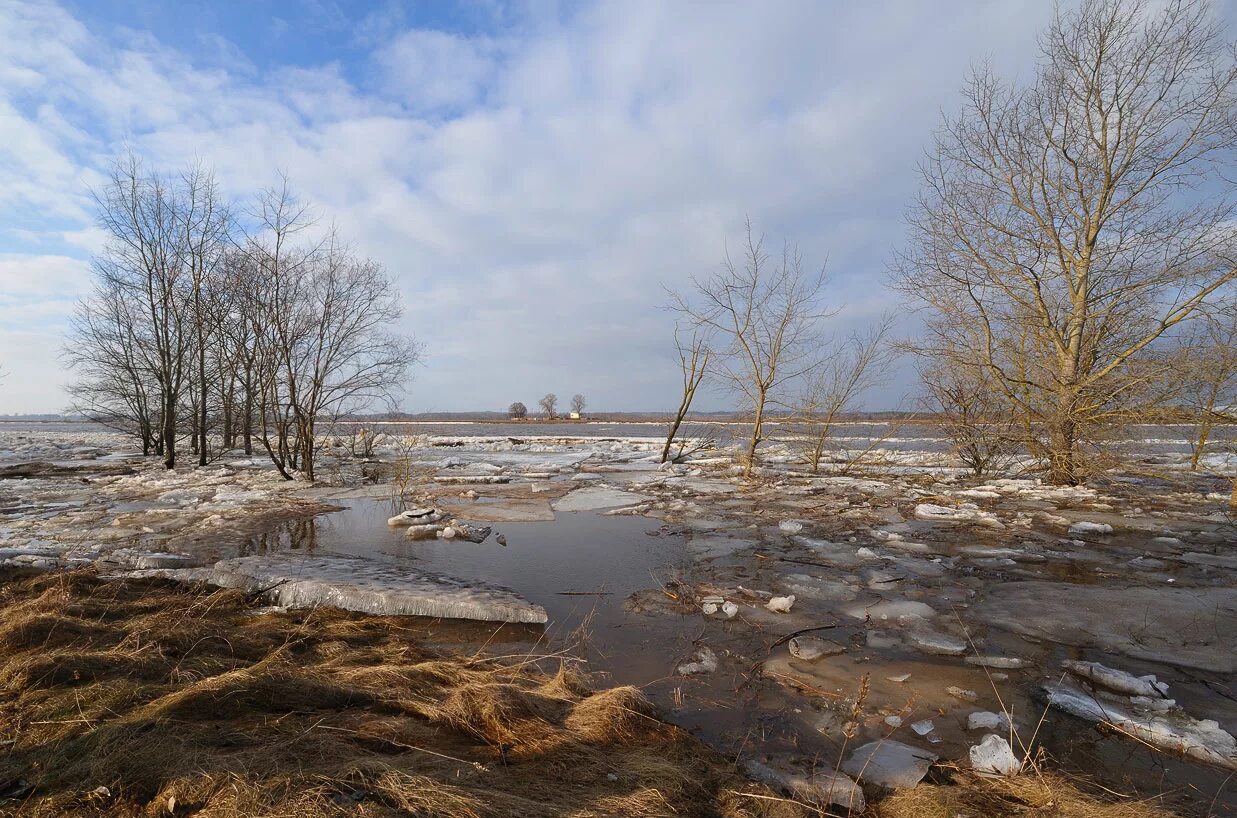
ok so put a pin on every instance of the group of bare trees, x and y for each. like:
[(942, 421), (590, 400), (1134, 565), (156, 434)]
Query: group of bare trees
[(759, 329), (228, 325), (549, 406), (1073, 252)]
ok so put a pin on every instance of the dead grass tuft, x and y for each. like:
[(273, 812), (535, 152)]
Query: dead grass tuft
[(144, 698), (1044, 795)]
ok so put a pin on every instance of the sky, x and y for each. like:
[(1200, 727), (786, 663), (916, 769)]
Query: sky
[(531, 174)]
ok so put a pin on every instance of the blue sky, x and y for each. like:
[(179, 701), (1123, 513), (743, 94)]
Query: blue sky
[(530, 173)]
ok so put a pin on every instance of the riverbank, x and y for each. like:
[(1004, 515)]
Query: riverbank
[(789, 621)]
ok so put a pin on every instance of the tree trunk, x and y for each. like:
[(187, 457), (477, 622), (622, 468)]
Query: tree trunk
[(756, 425), (1200, 443), (1063, 452), (203, 391), (169, 432), (247, 421)]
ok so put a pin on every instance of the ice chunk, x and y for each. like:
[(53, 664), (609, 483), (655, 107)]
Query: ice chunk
[(889, 764), (828, 787), (1002, 662), (966, 513), (703, 661), (729, 609), (811, 648), (1084, 527), (993, 756), (1175, 732), (790, 526), (891, 609), (417, 516), (780, 604), (986, 720), (922, 728), (1117, 680)]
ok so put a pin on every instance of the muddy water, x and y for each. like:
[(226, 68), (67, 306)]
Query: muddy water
[(580, 567), (586, 569)]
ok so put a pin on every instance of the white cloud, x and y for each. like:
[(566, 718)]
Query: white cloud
[(533, 189), (432, 69)]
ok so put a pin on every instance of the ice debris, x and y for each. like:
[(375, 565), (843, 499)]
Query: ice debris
[(811, 648), (889, 764), (780, 604), (994, 756), (703, 661), (1177, 732), (1117, 680)]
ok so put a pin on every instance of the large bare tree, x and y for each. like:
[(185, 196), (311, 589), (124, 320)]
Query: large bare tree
[(765, 317), (1066, 225)]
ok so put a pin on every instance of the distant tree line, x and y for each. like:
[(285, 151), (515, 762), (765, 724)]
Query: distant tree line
[(228, 325), (549, 407)]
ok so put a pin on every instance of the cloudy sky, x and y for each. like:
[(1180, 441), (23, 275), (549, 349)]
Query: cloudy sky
[(530, 173)]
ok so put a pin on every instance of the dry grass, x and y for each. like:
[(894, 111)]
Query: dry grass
[(1029, 796), (143, 698)]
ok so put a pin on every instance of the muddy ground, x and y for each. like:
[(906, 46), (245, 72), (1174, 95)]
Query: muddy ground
[(929, 609)]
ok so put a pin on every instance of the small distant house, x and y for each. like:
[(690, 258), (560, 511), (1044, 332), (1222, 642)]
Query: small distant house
[(573, 415)]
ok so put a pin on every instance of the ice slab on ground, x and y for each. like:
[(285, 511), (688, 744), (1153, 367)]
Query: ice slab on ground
[(1083, 527), (353, 584), (504, 510), (966, 513), (1175, 626), (592, 498), (889, 764), (1117, 680), (1174, 732), (822, 787)]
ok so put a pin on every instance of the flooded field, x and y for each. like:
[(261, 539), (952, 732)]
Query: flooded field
[(791, 620)]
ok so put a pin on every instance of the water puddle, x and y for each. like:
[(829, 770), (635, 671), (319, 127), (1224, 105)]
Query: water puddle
[(580, 567)]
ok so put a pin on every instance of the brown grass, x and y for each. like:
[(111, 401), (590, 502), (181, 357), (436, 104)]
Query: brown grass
[(1041, 795), (144, 698)]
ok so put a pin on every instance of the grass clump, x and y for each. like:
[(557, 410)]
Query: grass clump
[(146, 698), (1037, 795)]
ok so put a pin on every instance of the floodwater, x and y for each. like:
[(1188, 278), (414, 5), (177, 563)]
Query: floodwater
[(584, 568), (902, 436), (579, 567)]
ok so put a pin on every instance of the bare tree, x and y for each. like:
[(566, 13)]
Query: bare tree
[(766, 317), (105, 349), (142, 216), (517, 411), (204, 223), (834, 387), (549, 405), (970, 410), (1063, 226), (322, 323), (694, 356), (577, 404)]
